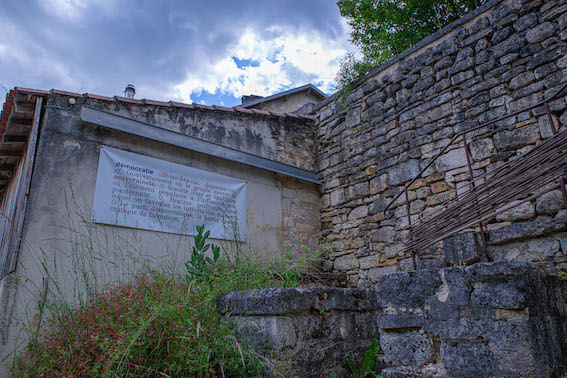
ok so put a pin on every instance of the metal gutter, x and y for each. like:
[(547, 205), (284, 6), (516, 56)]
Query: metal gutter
[(146, 130)]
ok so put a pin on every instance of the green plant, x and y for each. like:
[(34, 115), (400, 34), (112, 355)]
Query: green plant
[(157, 323), (546, 270), (351, 70), (201, 265), (383, 29), (367, 367)]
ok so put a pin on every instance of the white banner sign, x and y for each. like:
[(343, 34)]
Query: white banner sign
[(141, 192)]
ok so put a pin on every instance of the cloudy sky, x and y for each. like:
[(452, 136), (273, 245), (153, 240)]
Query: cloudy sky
[(205, 51)]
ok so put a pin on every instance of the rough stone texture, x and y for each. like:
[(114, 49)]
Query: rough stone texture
[(508, 56), (307, 331), (462, 249), (413, 348), (501, 319), (526, 230), (523, 211), (550, 203)]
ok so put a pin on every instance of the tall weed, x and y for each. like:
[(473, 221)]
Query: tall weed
[(156, 324)]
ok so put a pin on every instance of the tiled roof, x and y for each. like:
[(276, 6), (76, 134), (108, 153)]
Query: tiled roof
[(8, 105), (308, 87)]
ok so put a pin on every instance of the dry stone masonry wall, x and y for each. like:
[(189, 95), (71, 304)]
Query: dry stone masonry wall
[(505, 56), (502, 319)]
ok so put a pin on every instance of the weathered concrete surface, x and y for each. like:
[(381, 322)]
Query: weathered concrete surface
[(60, 241), (501, 319)]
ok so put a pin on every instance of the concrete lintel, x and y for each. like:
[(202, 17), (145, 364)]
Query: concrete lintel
[(145, 130)]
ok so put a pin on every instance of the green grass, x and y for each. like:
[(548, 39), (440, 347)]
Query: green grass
[(155, 324)]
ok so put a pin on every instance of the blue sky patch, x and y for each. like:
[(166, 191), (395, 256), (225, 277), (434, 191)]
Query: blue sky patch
[(245, 63)]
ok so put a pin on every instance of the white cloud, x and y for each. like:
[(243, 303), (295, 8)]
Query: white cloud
[(74, 10), (286, 60), (44, 62)]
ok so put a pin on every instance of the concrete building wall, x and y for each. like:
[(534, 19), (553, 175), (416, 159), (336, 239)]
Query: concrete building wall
[(64, 254), (505, 56), (289, 103)]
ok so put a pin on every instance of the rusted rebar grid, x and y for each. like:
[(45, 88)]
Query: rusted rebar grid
[(519, 180)]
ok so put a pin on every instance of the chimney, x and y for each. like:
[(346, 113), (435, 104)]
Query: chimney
[(130, 91), (250, 98)]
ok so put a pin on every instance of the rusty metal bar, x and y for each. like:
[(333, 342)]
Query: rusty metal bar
[(484, 218), (562, 182), (550, 119), (414, 263), (509, 185), (473, 186), (408, 208), (467, 153)]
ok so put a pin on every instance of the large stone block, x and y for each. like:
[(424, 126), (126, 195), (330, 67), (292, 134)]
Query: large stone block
[(357, 213), (540, 32), (266, 333), (512, 139), (451, 160), (353, 117), (346, 262), (456, 288), (550, 203), (379, 184), (462, 249), (467, 359), (337, 196), (511, 346), (414, 348), (407, 289), (514, 43), (505, 295), (384, 234), (500, 270), (471, 323), (403, 172), (523, 211), (482, 149), (526, 230)]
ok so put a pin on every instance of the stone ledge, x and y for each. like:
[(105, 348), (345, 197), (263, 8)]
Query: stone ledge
[(526, 230), (281, 301), (500, 270)]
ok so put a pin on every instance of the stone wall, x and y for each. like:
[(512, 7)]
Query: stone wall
[(501, 319), (306, 332), (506, 55)]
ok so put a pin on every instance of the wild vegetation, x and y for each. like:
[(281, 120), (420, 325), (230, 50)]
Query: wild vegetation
[(383, 29), (158, 323)]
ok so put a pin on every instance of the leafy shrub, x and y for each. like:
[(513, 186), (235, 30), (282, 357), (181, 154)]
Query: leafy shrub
[(201, 265), (157, 324)]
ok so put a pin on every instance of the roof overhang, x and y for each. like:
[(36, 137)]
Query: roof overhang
[(309, 88), (156, 133)]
